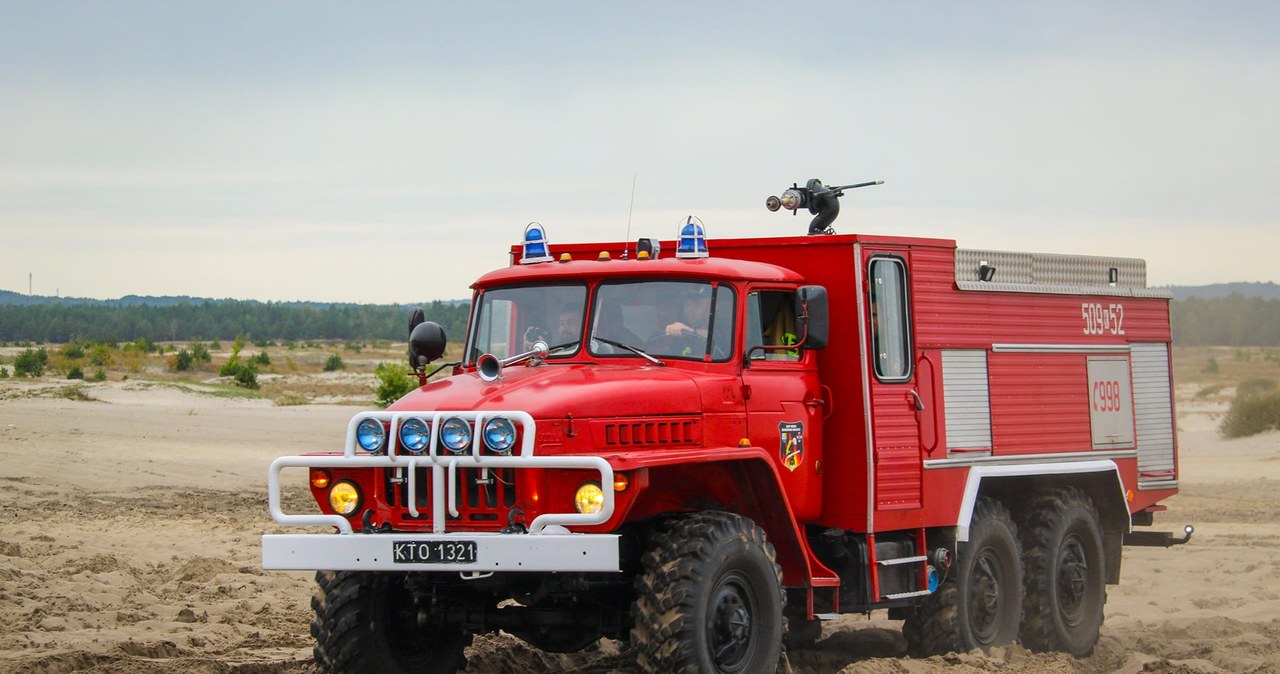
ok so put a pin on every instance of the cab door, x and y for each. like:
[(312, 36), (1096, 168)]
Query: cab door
[(898, 404), (783, 396)]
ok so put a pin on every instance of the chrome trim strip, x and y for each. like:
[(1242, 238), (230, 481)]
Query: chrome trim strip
[(1060, 348), (1021, 459)]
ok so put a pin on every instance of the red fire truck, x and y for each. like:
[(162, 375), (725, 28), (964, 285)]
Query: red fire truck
[(705, 447)]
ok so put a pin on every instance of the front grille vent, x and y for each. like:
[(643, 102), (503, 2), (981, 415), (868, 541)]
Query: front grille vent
[(667, 432)]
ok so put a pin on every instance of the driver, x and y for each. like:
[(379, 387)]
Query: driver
[(695, 314)]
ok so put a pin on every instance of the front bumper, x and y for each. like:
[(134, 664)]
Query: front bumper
[(494, 552)]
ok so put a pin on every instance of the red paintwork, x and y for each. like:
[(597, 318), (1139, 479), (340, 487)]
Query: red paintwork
[(692, 435)]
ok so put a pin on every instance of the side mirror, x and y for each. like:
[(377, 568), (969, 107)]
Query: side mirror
[(426, 341), (811, 312)]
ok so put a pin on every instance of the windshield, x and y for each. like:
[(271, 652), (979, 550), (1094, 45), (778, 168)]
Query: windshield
[(676, 319), (510, 320)]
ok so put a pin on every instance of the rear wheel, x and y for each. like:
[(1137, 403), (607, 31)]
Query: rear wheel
[(1066, 574), (709, 599), (367, 623), (979, 605)]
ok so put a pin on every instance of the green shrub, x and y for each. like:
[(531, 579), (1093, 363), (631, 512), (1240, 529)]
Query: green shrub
[(334, 362), (1212, 366), (247, 376), (72, 350), (261, 358), (1251, 414), (4, 373), (99, 375), (100, 355), (75, 373), (31, 362), (353, 346), (200, 353), (231, 367), (393, 383), (215, 345), (181, 361)]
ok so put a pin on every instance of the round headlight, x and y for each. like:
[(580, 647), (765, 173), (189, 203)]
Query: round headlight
[(344, 498), (455, 434), (370, 435), (589, 499), (499, 435), (414, 435)]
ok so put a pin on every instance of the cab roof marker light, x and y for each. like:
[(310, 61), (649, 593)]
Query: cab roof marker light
[(693, 239), (535, 245)]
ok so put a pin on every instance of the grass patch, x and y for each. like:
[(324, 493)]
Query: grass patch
[(289, 399), (201, 388), (1209, 391), (77, 392)]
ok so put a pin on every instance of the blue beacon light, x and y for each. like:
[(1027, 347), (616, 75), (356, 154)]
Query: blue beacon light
[(535, 245), (693, 239)]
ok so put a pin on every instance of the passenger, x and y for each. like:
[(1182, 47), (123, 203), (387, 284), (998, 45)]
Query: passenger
[(568, 326), (567, 329)]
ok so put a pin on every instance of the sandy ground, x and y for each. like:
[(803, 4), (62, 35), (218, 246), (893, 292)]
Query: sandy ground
[(130, 524)]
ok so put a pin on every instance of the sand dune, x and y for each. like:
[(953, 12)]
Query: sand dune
[(130, 530)]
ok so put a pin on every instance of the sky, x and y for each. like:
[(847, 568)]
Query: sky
[(391, 152)]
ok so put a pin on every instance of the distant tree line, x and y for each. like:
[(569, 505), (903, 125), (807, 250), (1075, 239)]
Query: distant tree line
[(1234, 320), (61, 323)]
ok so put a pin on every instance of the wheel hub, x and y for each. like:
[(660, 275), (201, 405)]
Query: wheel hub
[(985, 596), (1073, 579), (729, 626)]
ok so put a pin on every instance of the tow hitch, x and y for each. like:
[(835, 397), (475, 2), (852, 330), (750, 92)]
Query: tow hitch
[(1158, 539)]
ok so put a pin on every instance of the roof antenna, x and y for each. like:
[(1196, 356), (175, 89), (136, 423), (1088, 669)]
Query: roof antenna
[(630, 210)]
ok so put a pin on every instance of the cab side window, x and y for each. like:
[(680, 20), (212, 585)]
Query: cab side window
[(771, 321), (890, 324)]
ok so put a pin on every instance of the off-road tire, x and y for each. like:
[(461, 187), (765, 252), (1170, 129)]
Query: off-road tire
[(709, 599), (366, 623), (979, 604), (1066, 573)]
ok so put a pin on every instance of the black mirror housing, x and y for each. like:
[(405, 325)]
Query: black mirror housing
[(426, 343), (811, 311)]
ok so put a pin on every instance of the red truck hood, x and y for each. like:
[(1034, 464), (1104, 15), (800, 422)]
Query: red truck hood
[(551, 391)]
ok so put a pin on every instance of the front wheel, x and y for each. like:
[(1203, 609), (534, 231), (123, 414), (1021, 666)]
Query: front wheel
[(367, 623), (1066, 574), (979, 605), (709, 599)]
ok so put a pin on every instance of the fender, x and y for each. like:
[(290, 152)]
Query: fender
[(755, 473), (1106, 470)]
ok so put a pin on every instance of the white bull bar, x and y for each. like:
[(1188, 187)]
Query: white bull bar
[(546, 547)]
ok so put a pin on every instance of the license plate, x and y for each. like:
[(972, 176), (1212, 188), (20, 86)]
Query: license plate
[(433, 552)]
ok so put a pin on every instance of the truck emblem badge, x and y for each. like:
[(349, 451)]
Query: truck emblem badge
[(791, 443)]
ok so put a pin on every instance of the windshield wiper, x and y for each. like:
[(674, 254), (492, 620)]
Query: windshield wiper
[(630, 348)]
